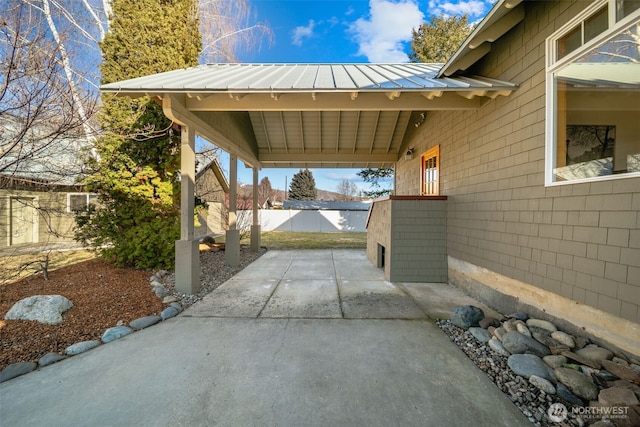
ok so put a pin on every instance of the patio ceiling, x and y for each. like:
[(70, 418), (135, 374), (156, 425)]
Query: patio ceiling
[(310, 115)]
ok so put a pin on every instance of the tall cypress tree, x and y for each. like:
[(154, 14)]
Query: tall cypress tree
[(303, 186), (136, 167)]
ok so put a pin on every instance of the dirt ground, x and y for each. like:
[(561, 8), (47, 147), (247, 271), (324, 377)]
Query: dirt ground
[(102, 295)]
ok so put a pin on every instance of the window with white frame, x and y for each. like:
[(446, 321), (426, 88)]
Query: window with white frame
[(80, 201), (593, 95)]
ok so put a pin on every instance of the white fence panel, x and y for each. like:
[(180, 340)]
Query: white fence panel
[(309, 220)]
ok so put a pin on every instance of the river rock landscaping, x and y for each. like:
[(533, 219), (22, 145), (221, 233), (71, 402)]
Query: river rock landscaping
[(554, 378)]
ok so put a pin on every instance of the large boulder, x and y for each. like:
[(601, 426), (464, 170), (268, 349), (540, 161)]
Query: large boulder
[(41, 308), (466, 316)]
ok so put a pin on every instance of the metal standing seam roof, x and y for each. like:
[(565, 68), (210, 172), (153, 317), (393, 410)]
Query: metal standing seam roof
[(304, 78), (310, 115)]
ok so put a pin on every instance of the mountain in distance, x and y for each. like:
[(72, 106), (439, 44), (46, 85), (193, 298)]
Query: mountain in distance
[(246, 191)]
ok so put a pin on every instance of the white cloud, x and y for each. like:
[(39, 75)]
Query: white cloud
[(382, 34), (474, 8), (302, 32)]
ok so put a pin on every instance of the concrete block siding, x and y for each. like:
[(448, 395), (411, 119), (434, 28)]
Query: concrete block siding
[(579, 241)]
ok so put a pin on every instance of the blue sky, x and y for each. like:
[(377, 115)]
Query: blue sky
[(342, 31)]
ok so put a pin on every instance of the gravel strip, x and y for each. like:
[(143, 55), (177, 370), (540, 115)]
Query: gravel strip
[(531, 401)]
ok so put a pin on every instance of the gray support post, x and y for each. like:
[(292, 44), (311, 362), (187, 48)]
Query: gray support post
[(232, 244), (187, 255), (255, 227)]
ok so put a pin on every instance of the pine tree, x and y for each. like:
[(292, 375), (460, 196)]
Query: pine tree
[(136, 167), (303, 186)]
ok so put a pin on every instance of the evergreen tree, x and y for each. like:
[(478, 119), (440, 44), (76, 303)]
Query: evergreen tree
[(438, 40), (303, 186), (373, 176), (136, 167)]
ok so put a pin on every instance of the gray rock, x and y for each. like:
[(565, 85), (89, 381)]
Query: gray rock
[(580, 384), (526, 365), (115, 333), (593, 352), (168, 313), (607, 376), (581, 359), (580, 342), (41, 308), (626, 384), (544, 324), (489, 321), (499, 333), (563, 338), (542, 384), (16, 369), (509, 326), (160, 291), (495, 345), (565, 394), (518, 316), (466, 316), (522, 328), (177, 306), (81, 347), (545, 339), (621, 371), (620, 361), (144, 322), (50, 358), (617, 396), (169, 299), (515, 343), (555, 361)]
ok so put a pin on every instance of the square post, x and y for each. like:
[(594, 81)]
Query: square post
[(255, 227), (232, 241), (187, 254)]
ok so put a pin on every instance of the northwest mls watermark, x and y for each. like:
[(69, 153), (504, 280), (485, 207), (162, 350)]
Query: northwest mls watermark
[(557, 412)]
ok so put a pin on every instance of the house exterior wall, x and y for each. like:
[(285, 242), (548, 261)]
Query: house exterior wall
[(575, 242), (213, 219), (379, 234), (412, 232), (51, 222)]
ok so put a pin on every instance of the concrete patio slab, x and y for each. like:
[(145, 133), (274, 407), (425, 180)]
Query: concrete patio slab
[(236, 298), (219, 364), (304, 299), (379, 299), (309, 268), (264, 372), (438, 299)]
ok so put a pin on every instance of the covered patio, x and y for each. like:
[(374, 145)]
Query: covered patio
[(297, 116)]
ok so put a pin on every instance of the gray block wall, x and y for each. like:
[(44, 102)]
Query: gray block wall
[(581, 241), (413, 234)]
